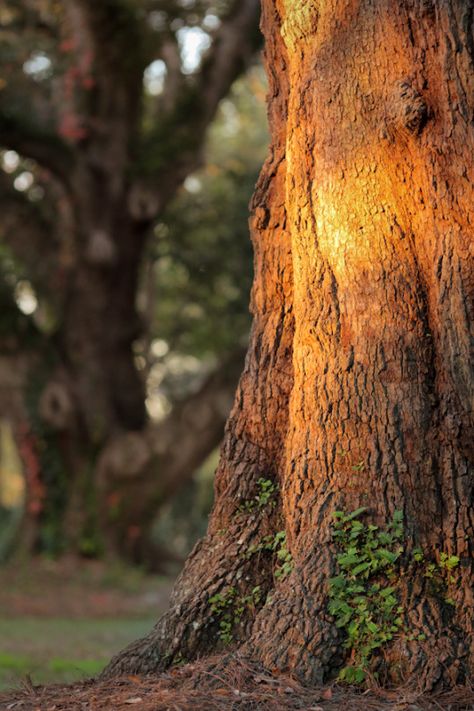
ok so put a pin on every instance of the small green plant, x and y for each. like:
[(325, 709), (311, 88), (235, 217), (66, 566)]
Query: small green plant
[(229, 608), (447, 563), (221, 602), (278, 546), (440, 573), (363, 596), (267, 490), (221, 607), (178, 660), (284, 557), (265, 497), (418, 555), (247, 602)]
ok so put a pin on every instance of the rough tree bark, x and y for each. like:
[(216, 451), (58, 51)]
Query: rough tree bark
[(358, 386)]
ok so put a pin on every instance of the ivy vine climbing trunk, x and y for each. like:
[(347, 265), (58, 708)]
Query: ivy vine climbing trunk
[(358, 389)]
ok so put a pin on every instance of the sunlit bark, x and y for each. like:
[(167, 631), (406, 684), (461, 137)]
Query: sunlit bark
[(358, 387)]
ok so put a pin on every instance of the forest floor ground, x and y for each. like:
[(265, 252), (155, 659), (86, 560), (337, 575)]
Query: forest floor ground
[(220, 685), (61, 623)]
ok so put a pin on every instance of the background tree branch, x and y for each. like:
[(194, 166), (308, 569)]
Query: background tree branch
[(23, 135), (234, 46), (31, 236), (117, 33), (144, 470)]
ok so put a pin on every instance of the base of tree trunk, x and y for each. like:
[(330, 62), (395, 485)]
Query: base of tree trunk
[(234, 595)]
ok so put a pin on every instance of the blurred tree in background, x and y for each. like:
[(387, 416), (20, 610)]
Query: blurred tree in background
[(124, 264)]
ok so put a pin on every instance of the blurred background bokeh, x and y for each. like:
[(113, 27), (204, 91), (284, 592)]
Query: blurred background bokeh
[(132, 133)]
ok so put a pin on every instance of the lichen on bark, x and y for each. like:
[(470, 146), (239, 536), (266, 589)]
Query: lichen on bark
[(301, 20)]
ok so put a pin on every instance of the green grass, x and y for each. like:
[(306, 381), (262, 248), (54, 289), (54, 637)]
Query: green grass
[(62, 650), (15, 668)]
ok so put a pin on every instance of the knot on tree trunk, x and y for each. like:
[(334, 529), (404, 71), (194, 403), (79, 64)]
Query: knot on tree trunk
[(408, 109), (100, 250), (126, 457), (261, 217), (428, 8), (143, 202), (56, 407)]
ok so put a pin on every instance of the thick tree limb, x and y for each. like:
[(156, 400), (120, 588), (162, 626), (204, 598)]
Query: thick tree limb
[(112, 45), (234, 46), (116, 31), (144, 470), (195, 104), (47, 149), (195, 426), (21, 18), (30, 235)]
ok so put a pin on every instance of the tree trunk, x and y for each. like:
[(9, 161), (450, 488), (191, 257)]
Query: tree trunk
[(94, 391), (358, 386), (88, 402), (90, 496), (109, 177)]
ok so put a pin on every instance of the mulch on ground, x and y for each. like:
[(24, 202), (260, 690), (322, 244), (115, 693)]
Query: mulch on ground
[(225, 684)]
